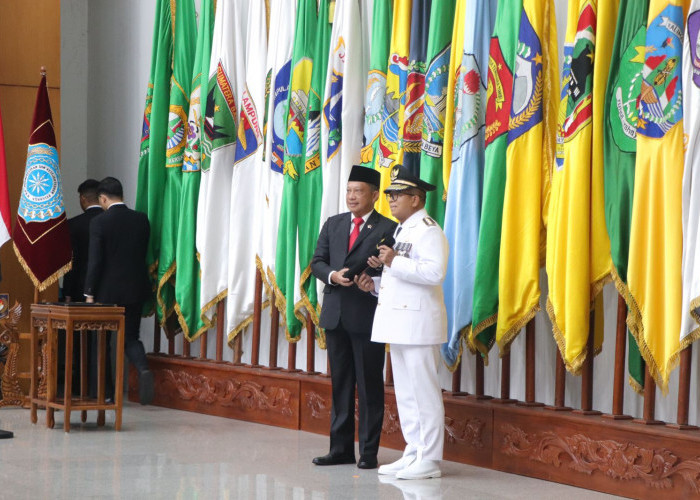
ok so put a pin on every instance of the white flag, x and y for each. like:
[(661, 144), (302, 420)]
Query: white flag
[(343, 113), (244, 215), (279, 62), (690, 329), (218, 153)]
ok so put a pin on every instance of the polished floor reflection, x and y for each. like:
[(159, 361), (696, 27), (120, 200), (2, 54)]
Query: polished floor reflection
[(167, 454)]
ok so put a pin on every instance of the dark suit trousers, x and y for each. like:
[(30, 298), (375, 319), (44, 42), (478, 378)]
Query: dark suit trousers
[(355, 360), (133, 347)]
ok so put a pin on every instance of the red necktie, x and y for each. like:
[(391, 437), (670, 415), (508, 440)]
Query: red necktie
[(355, 231)]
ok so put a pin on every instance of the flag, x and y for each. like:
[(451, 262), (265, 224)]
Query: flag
[(187, 283), (218, 155), (342, 122), (279, 61), (691, 178), (287, 277), (653, 276), (415, 84), (184, 40), (529, 164), (154, 135), (620, 148), (578, 254), (466, 109), (436, 80), (5, 227), (244, 219), (390, 146), (498, 103), (310, 179), (376, 81), (41, 238)]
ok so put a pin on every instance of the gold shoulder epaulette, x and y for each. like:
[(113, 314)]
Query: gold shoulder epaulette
[(429, 221)]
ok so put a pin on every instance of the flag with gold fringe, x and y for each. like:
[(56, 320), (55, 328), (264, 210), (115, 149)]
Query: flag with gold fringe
[(184, 46), (41, 238), (620, 148), (187, 283), (656, 239), (529, 164), (690, 327), (464, 146), (247, 173), (502, 57)]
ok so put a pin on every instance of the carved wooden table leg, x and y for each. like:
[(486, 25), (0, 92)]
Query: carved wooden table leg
[(34, 360), (101, 360), (83, 372), (51, 373), (119, 379), (68, 376)]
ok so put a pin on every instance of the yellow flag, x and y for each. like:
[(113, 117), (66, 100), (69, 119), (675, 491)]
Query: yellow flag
[(654, 274), (455, 64), (578, 248), (390, 151), (530, 160)]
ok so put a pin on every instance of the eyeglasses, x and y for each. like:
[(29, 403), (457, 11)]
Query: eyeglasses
[(394, 195)]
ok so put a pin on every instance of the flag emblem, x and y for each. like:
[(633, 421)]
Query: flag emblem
[(623, 113), (527, 82), (436, 103), (176, 136), (146, 127), (248, 128), (41, 198), (499, 89), (279, 117), (296, 119), (467, 120), (694, 43), (192, 153), (333, 106), (660, 103), (394, 98), (376, 86), (413, 118)]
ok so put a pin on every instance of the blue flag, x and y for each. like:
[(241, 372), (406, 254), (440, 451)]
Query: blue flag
[(467, 104)]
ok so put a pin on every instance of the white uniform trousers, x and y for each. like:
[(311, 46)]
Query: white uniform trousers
[(419, 399)]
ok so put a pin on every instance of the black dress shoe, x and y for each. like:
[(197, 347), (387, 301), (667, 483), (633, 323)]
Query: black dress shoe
[(367, 463), (334, 460)]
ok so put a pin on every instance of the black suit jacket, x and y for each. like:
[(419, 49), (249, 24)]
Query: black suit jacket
[(349, 306), (116, 272), (79, 226)]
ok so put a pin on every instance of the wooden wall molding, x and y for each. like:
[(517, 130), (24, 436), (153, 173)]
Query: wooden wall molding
[(620, 457)]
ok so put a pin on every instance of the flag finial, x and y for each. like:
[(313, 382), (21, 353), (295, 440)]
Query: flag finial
[(42, 70)]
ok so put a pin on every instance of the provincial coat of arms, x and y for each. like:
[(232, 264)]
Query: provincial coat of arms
[(395, 97), (248, 128), (333, 107), (280, 94), (176, 141), (374, 98), (219, 116), (499, 91), (469, 109), (694, 44), (296, 118), (660, 101), (526, 107), (191, 160), (435, 104)]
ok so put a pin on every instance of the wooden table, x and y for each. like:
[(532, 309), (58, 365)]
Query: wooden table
[(53, 319)]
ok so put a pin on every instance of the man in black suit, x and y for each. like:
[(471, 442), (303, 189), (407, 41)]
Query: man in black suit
[(117, 273), (74, 281), (347, 240)]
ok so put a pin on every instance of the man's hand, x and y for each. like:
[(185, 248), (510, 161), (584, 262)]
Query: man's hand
[(90, 299), (364, 282), (338, 277), (374, 262), (386, 255)]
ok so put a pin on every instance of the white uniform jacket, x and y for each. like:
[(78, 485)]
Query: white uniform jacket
[(411, 307)]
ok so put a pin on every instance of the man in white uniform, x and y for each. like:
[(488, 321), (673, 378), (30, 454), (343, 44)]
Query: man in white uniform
[(411, 316)]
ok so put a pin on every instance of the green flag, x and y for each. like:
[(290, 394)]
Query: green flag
[(376, 80), (187, 271), (185, 34), (620, 148), (310, 188), (294, 163), (154, 135), (436, 76), (499, 95)]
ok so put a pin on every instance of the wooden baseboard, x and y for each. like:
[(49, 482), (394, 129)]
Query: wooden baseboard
[(588, 451)]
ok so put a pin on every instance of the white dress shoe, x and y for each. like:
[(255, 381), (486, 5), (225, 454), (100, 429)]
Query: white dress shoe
[(394, 467), (420, 469)]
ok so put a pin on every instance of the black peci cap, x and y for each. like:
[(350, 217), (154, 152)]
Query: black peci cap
[(365, 174), (402, 179)]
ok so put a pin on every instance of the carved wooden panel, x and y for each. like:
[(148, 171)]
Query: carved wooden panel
[(9, 337), (468, 431)]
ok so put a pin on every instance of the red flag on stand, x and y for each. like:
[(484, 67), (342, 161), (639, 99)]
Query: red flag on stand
[(41, 236)]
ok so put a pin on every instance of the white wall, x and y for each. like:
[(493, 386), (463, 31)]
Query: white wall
[(101, 131)]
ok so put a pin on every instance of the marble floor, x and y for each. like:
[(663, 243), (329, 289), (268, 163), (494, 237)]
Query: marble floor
[(163, 453)]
